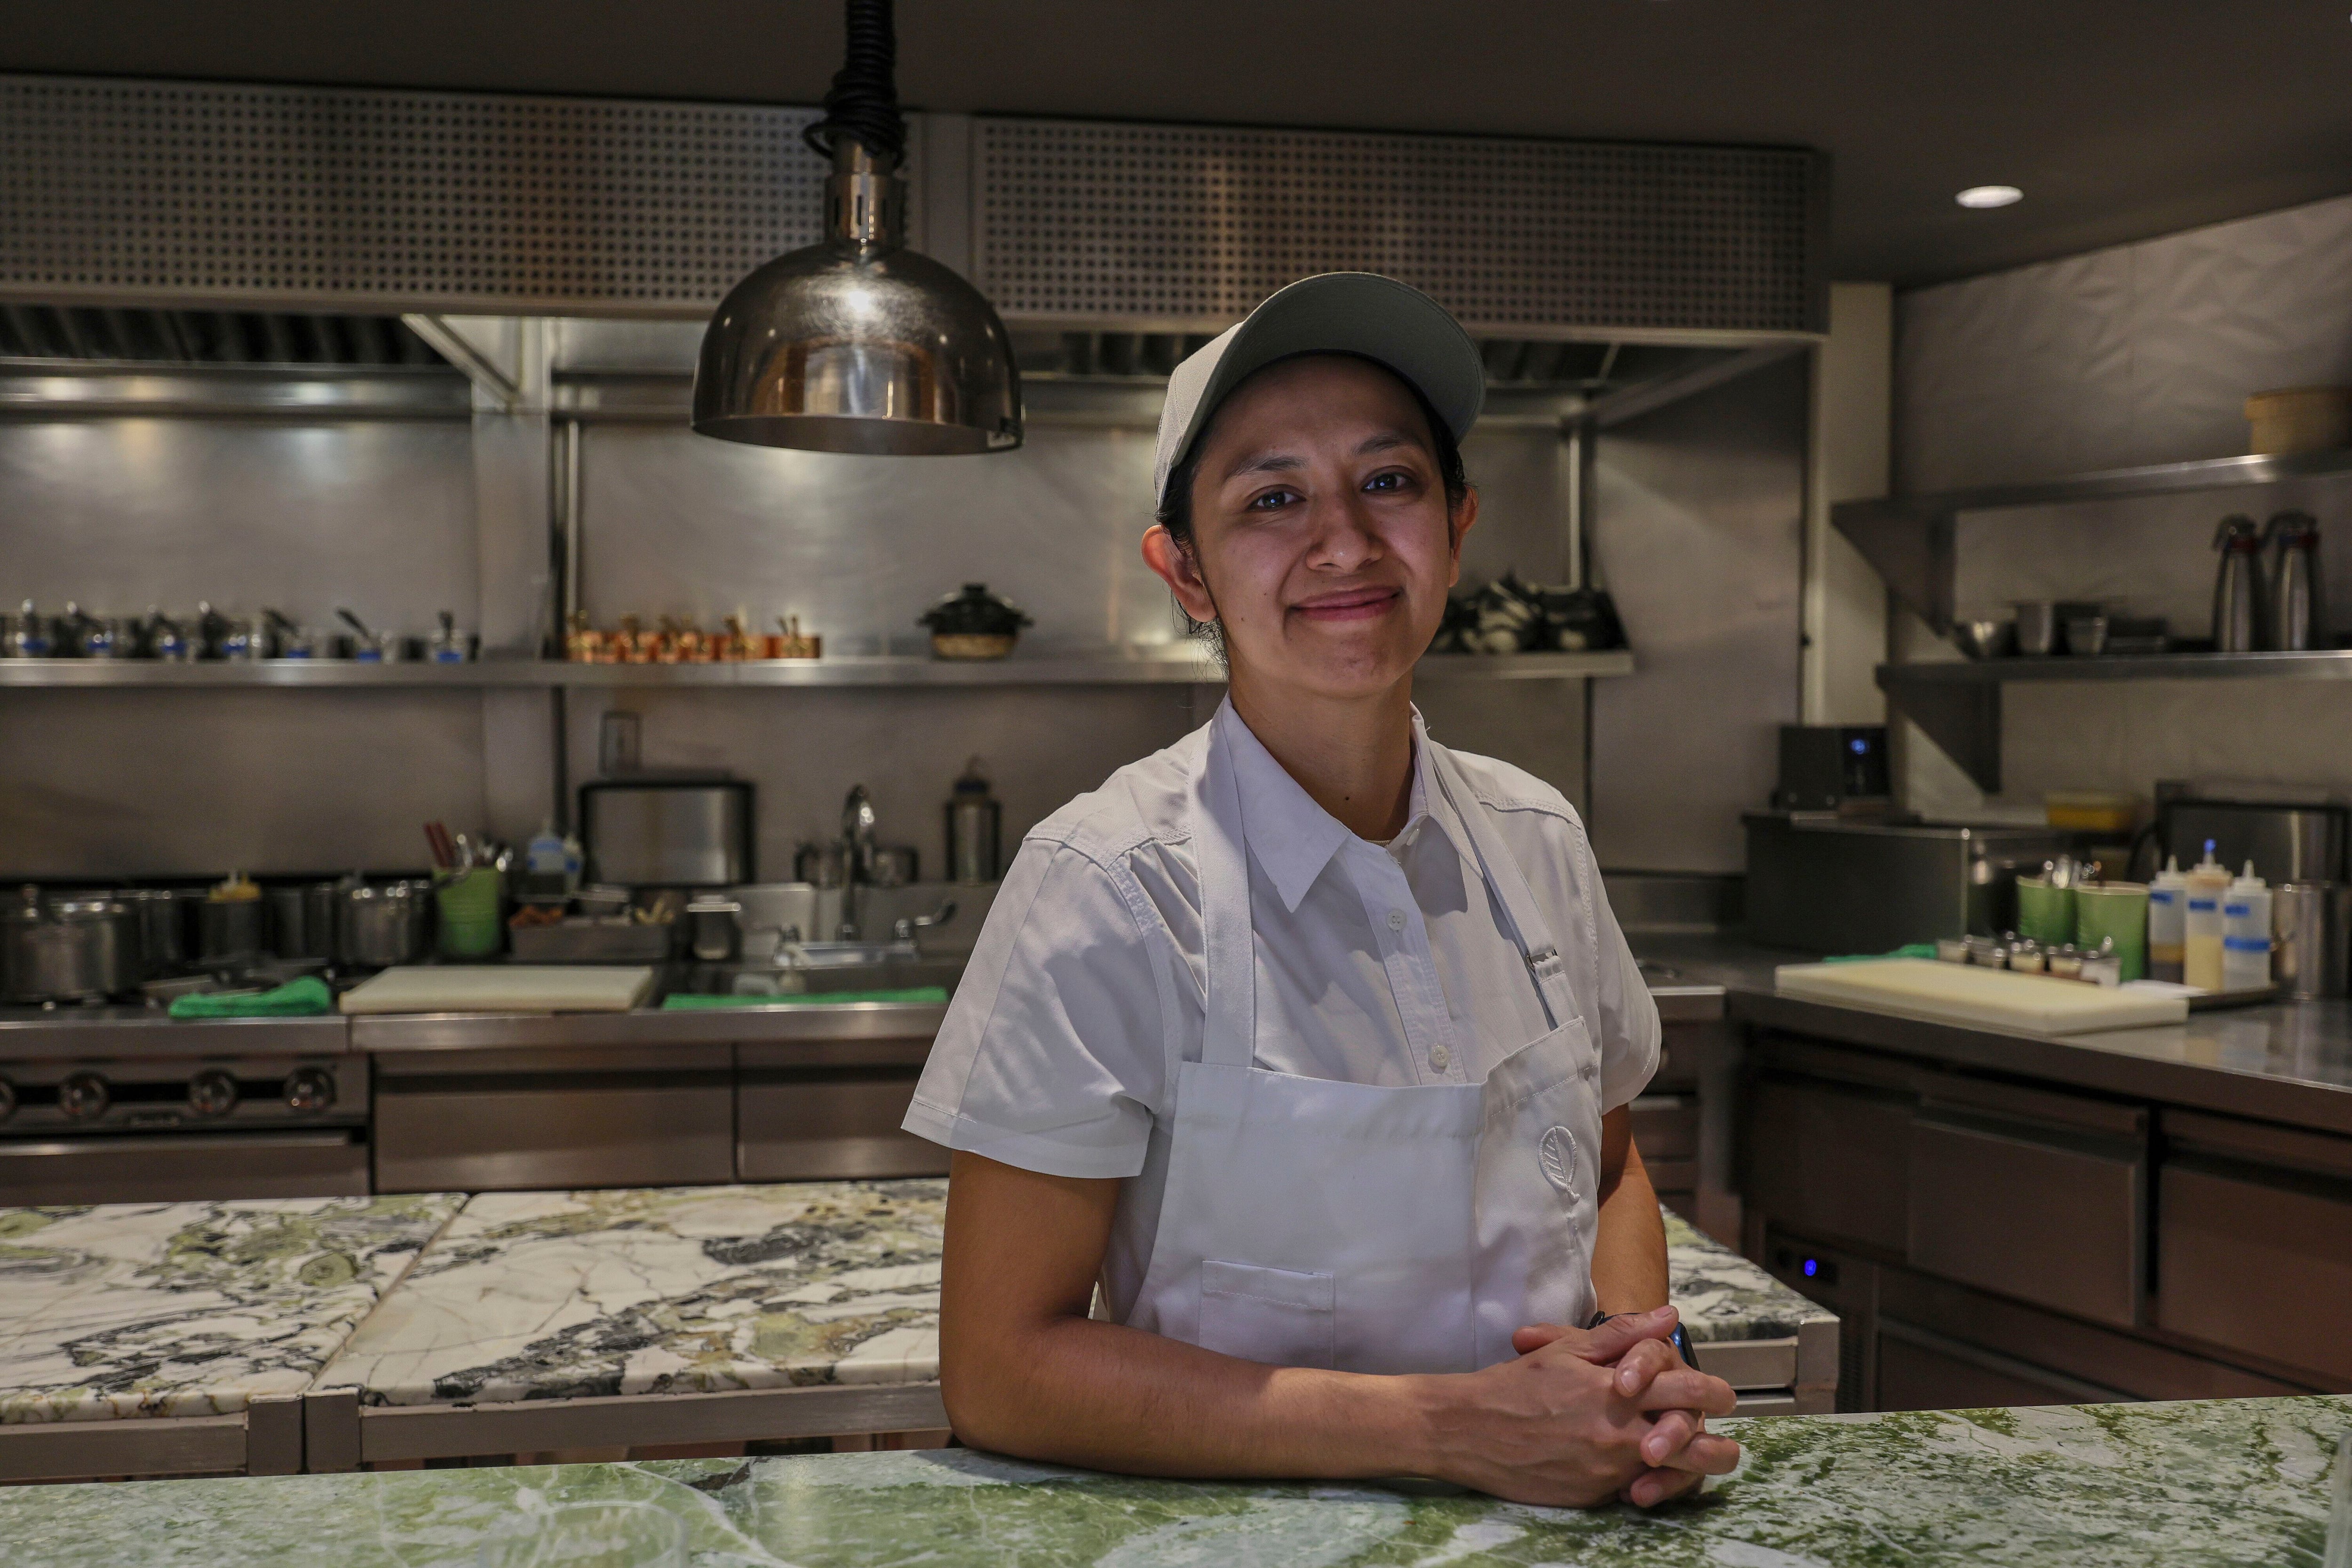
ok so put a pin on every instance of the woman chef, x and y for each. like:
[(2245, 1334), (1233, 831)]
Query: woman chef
[(1307, 1039)]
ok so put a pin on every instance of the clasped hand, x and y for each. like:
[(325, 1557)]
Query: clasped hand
[(1582, 1416)]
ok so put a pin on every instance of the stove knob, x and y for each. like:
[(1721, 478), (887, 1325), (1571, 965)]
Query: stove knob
[(310, 1090), (83, 1097), (7, 1100), (212, 1093)]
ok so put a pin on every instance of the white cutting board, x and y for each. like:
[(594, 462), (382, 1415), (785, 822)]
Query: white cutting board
[(501, 988), (1965, 993)]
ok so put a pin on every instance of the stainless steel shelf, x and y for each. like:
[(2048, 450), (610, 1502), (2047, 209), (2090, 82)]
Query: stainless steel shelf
[(1957, 703), (2325, 664), (2110, 484), (1909, 540), (1107, 668), (277, 672)]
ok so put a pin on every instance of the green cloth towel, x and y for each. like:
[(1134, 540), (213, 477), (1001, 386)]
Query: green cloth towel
[(307, 997), (933, 996), (1917, 950)]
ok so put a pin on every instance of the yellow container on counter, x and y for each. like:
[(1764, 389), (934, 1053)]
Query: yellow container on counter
[(2091, 811)]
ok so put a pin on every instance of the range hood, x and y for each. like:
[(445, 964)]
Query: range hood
[(94, 335)]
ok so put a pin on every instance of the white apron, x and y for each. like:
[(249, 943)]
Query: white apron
[(1312, 1223)]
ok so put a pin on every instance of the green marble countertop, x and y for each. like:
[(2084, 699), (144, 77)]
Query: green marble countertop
[(2212, 1482)]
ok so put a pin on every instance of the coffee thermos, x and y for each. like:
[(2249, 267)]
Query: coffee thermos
[(2292, 611), (975, 822), (2238, 589)]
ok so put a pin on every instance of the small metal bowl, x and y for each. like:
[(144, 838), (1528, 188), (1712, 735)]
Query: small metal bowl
[(1985, 640)]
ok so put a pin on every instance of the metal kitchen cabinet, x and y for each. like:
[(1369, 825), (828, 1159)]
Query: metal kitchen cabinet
[(2031, 1194), (1826, 1141), (1919, 1369), (1909, 1342), (809, 1109), (500, 1119), (2254, 1241)]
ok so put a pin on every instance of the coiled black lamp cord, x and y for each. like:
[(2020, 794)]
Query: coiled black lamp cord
[(862, 103)]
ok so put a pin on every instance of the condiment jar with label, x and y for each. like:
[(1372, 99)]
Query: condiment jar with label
[(2246, 934), (2209, 879)]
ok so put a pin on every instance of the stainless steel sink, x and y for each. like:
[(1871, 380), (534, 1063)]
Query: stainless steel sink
[(762, 979)]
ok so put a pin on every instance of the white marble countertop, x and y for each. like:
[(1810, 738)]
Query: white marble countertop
[(662, 1290), (194, 1308), (191, 1308), (704, 1289)]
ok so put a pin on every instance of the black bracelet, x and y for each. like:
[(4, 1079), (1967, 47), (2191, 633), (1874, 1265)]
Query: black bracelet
[(1680, 1340)]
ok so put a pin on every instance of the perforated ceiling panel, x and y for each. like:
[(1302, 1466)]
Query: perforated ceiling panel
[(1192, 225), (129, 190)]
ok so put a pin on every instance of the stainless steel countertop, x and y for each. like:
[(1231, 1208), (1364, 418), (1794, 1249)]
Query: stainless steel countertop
[(1686, 995), (2289, 1062), (2281, 1061), (30, 1033)]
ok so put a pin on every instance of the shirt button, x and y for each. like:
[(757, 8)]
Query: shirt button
[(1440, 1058), (1396, 920)]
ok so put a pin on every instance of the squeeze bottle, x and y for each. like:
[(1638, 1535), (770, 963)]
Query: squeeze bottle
[(2246, 932), (2209, 879), (2168, 915)]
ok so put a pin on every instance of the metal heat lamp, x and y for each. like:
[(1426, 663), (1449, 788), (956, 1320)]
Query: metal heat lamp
[(858, 344)]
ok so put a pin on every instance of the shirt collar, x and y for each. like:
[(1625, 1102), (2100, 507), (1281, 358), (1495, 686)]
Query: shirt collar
[(1291, 836)]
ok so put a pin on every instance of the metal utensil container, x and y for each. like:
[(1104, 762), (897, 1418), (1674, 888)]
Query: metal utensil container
[(231, 929), (161, 918), (302, 921), (68, 950), (2312, 922), (382, 923)]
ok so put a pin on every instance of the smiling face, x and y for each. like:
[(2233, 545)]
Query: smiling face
[(1322, 540)]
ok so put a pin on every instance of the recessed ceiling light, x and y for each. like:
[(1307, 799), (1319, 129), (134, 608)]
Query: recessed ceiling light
[(1989, 196)]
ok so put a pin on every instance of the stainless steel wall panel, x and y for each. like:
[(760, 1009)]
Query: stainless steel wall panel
[(152, 782), (804, 749), (118, 514), (2142, 353), (1192, 225), (1697, 530), (176, 192), (674, 524)]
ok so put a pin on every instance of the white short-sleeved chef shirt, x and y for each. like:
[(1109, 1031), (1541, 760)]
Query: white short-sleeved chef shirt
[(1376, 964)]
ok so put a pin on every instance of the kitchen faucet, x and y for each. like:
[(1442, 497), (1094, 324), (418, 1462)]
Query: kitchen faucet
[(857, 855)]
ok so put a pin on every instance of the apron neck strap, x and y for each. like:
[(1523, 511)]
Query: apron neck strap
[(1220, 850), (1528, 926)]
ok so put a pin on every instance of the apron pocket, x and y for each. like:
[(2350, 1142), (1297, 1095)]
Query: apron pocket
[(1270, 1315)]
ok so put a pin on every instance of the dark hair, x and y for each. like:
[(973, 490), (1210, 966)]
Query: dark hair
[(1175, 512)]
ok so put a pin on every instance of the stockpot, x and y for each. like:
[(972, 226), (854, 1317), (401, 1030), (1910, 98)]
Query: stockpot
[(382, 923), (68, 949)]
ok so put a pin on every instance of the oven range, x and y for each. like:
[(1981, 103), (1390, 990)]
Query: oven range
[(141, 1130)]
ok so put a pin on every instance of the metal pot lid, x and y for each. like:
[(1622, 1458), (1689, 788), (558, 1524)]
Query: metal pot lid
[(407, 888)]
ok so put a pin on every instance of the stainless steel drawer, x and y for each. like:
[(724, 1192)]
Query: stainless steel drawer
[(157, 1168), (1830, 1160), (528, 1132), (2027, 1206), (830, 1124)]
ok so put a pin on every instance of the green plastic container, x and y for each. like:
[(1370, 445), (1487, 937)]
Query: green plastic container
[(2046, 913), (2117, 909), (472, 917)]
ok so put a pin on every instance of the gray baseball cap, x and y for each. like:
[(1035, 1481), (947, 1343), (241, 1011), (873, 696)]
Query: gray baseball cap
[(1332, 312)]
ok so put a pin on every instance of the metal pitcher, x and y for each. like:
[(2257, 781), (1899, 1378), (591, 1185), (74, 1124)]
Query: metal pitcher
[(2294, 611), (2238, 590)]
